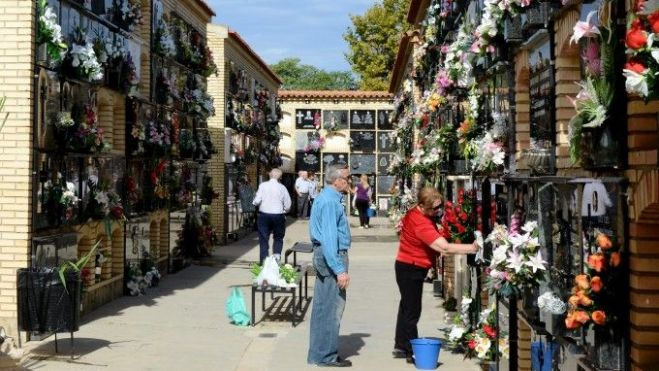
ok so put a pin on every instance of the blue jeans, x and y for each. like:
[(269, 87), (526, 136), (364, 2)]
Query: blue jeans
[(328, 304), (275, 224)]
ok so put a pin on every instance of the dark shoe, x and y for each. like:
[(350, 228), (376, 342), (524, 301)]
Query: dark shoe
[(409, 359), (399, 353), (338, 363)]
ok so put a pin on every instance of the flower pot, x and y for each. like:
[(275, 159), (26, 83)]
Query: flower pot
[(44, 304), (42, 54)]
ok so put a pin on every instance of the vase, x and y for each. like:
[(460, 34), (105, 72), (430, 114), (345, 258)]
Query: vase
[(42, 54), (488, 365)]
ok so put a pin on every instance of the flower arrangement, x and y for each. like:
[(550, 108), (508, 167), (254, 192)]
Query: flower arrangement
[(315, 142), (103, 201), (517, 261), (138, 135), (594, 290), (160, 190), (207, 64), (480, 342), (59, 200), (49, 32), (109, 50), (401, 203), (129, 77), (490, 155), (198, 102), (460, 221), (187, 144), (81, 135), (157, 138), (594, 100), (643, 66), (164, 41), (127, 13), (82, 59)]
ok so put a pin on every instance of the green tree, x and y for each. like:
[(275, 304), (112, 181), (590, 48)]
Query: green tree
[(298, 76), (373, 40)]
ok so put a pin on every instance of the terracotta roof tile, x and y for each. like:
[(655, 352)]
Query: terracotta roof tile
[(329, 94)]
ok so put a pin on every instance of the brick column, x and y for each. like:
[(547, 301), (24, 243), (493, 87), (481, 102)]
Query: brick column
[(522, 108), (17, 28)]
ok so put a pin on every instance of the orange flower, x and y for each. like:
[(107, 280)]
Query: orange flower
[(571, 323), (574, 300), (597, 262), (596, 284), (464, 128), (581, 316), (584, 299), (603, 241), (582, 281), (599, 317), (615, 259)]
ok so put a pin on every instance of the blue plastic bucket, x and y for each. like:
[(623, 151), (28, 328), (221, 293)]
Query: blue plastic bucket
[(426, 353)]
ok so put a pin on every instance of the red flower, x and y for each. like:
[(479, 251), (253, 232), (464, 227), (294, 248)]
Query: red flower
[(154, 178), (491, 332), (654, 21), (463, 216), (636, 37), (636, 66), (461, 228), (472, 344), (117, 212)]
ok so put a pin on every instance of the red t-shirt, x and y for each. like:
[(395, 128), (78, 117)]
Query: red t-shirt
[(417, 233)]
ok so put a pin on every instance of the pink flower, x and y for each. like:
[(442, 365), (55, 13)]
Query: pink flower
[(475, 47), (584, 29), (444, 49), (491, 49), (525, 3)]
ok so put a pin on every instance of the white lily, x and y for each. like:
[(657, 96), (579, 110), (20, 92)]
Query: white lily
[(515, 261), (636, 83), (536, 262), (584, 29)]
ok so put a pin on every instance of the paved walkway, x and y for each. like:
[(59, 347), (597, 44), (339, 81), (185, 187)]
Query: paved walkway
[(181, 324)]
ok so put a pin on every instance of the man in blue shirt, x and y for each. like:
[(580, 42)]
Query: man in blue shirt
[(330, 235)]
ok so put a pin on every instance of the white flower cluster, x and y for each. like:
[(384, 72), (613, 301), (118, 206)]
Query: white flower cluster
[(49, 20), (549, 302), (166, 41), (458, 60), (84, 58), (490, 153)]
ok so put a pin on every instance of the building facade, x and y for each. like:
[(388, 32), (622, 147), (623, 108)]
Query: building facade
[(504, 90), (320, 128)]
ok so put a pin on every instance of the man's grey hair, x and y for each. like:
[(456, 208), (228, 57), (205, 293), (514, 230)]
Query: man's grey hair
[(275, 174), (333, 172)]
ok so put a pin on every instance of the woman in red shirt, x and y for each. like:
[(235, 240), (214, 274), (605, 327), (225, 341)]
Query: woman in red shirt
[(420, 242)]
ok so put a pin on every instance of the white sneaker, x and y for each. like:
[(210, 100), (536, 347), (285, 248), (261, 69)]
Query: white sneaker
[(367, 226), (361, 227)]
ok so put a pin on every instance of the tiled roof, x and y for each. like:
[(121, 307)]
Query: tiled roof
[(334, 94), (236, 36)]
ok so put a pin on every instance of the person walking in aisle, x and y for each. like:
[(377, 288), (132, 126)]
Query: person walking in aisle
[(420, 241), (274, 202), (363, 193), (330, 235), (302, 190), (313, 190)]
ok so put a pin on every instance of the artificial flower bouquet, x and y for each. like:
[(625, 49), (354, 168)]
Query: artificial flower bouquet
[(641, 41), (49, 32), (594, 291), (127, 14), (516, 262), (157, 138), (81, 60), (59, 201), (82, 134), (485, 342), (104, 202), (315, 142), (461, 220)]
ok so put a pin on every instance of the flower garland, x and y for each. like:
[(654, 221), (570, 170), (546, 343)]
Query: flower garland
[(50, 32), (516, 262), (642, 69)]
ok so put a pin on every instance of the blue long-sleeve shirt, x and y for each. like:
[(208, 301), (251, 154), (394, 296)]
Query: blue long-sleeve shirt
[(329, 227)]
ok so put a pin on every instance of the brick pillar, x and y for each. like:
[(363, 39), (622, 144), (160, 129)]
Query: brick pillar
[(523, 346), (17, 28), (105, 113), (522, 109)]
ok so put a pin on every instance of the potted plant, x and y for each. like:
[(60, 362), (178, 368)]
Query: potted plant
[(49, 297)]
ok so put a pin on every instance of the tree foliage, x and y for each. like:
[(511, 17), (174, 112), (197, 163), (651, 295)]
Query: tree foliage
[(373, 40), (298, 76)]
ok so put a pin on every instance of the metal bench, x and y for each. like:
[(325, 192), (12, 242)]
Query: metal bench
[(304, 247), (296, 305)]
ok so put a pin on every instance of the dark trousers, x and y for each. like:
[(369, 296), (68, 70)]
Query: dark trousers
[(275, 224), (362, 207), (410, 284), (310, 206)]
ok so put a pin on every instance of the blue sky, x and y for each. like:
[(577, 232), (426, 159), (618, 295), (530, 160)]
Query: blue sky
[(311, 30)]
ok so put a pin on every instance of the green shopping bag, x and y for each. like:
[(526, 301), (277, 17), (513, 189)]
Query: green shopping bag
[(236, 309)]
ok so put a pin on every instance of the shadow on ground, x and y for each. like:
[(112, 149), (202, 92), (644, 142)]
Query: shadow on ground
[(350, 345)]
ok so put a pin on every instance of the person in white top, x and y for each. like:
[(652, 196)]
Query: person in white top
[(273, 201), (313, 190), (302, 190)]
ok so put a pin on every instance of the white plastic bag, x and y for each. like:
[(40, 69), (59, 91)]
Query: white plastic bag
[(479, 241), (270, 273)]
